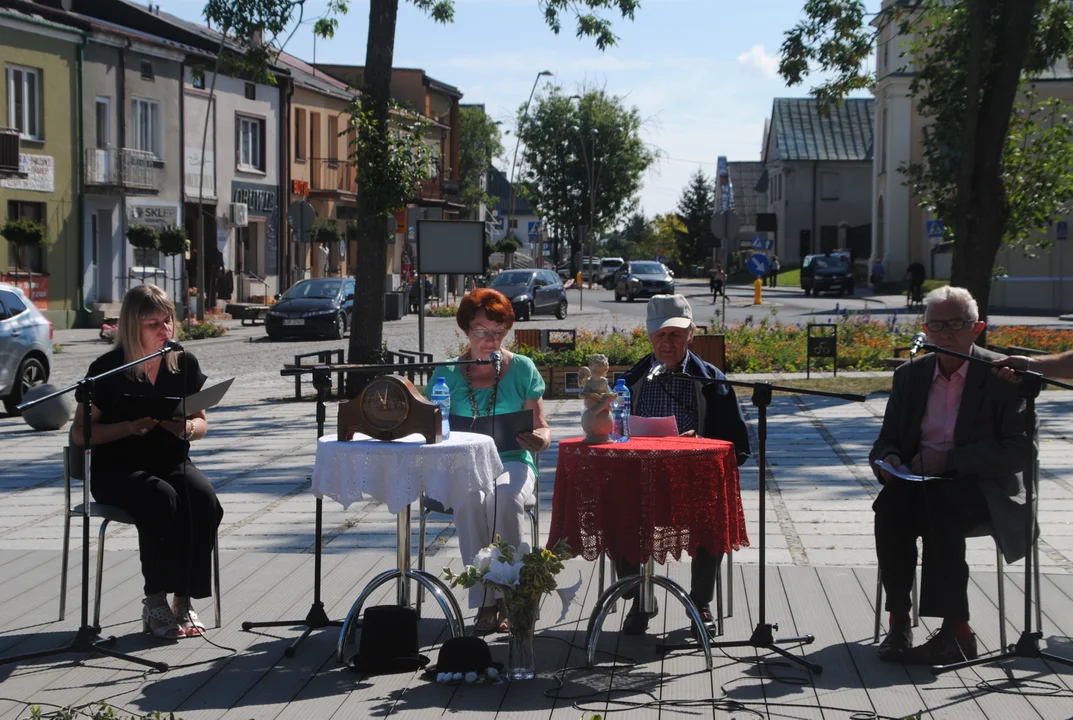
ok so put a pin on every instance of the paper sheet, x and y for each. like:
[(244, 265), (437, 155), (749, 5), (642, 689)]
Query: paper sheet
[(903, 472), (653, 427)]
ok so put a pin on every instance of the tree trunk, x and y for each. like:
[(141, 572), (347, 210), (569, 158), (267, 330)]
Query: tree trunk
[(367, 330), (976, 249)]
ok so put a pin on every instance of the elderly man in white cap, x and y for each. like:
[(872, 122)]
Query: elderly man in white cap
[(706, 410)]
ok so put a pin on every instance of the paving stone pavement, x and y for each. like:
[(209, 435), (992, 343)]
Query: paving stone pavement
[(260, 449)]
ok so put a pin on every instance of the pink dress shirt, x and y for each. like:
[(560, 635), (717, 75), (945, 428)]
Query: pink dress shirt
[(941, 410)]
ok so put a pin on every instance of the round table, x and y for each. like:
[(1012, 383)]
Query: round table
[(643, 500), (396, 473)]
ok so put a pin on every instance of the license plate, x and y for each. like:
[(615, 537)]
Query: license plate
[(295, 321)]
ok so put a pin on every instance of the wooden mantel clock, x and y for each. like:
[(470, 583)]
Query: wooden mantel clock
[(389, 408)]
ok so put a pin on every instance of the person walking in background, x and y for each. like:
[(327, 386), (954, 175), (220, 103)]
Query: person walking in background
[(773, 274), (878, 273)]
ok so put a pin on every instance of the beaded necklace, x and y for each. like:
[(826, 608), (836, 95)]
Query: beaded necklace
[(473, 398)]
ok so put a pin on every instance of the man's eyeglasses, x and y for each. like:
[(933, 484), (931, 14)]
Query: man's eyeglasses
[(483, 334), (940, 325)]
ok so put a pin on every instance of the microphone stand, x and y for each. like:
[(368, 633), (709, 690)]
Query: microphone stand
[(763, 635), (317, 618), (1027, 645), (86, 639)]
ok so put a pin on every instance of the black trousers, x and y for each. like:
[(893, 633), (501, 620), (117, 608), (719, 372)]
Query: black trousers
[(942, 513), (701, 576), (177, 515)]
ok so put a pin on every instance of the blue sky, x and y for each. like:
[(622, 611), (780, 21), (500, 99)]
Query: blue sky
[(701, 72)]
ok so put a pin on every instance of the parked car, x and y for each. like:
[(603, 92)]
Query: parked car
[(605, 273), (826, 272), (533, 292), (312, 307), (25, 346), (642, 278)]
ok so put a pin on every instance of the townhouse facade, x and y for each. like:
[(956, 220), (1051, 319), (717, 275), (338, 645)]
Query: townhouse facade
[(41, 64)]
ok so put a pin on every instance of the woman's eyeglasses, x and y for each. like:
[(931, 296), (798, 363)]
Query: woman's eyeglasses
[(483, 334), (940, 325)]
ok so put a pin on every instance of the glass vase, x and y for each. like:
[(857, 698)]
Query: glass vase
[(521, 663)]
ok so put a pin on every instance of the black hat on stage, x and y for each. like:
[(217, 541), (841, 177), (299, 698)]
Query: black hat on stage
[(461, 657), (388, 642)]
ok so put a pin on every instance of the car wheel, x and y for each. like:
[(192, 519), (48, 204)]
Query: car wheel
[(340, 327), (629, 296), (274, 336), (560, 312), (807, 292), (530, 310), (618, 296), (31, 372)]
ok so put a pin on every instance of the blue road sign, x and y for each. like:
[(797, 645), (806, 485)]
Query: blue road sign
[(758, 264), (935, 228), (761, 243), (534, 230), (1061, 231)]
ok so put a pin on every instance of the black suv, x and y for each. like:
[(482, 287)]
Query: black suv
[(826, 272)]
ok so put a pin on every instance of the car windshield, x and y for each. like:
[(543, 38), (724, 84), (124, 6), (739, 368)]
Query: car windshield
[(611, 263), (314, 289), (512, 278), (830, 262), (647, 268)]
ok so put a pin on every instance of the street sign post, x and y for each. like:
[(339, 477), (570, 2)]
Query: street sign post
[(935, 229)]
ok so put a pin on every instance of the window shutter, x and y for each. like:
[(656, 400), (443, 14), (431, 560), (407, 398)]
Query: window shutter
[(263, 161)]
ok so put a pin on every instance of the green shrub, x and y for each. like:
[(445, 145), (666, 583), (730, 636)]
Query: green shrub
[(173, 241), (326, 232), (194, 330), (143, 237), (26, 232)]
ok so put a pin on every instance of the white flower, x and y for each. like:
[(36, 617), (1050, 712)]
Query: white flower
[(492, 673), (497, 554), (471, 677), (523, 550), (502, 573), (456, 677), (483, 560)]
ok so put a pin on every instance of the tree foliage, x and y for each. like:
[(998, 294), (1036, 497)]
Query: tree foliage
[(695, 209), (479, 142), (997, 159), (562, 153)]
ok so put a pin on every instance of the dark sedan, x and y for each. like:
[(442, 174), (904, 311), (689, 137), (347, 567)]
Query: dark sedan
[(312, 307), (642, 278), (533, 292)]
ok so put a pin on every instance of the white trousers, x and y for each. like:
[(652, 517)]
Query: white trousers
[(481, 517)]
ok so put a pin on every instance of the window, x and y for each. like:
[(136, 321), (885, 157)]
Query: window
[(26, 258), (24, 101), (829, 186), (333, 137), (299, 134), (147, 70), (250, 148), (10, 305), (314, 135), (103, 120), (251, 91), (883, 143), (197, 77), (146, 126)]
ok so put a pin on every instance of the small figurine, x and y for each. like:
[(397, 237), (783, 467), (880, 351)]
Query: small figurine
[(595, 391)]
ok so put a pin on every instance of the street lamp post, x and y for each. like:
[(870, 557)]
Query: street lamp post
[(517, 142)]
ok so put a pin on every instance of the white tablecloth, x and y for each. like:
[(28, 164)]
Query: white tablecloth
[(397, 472)]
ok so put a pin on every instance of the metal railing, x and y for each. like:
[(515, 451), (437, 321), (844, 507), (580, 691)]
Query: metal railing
[(9, 150), (332, 174), (121, 167)]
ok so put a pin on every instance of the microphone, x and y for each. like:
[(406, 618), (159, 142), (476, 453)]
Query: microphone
[(655, 371), (497, 361), (918, 342)]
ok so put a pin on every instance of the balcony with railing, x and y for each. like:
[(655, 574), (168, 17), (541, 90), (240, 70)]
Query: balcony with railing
[(332, 176), (432, 186), (122, 169)]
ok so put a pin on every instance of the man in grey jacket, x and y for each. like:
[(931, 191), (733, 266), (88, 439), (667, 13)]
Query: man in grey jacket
[(957, 421)]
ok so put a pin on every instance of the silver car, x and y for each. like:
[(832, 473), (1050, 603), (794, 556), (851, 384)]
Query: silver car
[(25, 346)]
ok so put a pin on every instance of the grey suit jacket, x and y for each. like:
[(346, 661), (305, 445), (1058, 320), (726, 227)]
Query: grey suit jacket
[(992, 440)]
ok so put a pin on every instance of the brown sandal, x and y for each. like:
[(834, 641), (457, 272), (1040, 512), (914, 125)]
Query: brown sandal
[(485, 624)]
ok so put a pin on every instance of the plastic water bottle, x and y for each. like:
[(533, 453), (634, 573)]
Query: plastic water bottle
[(620, 413), (441, 395)]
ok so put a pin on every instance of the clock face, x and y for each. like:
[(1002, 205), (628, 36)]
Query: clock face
[(385, 404)]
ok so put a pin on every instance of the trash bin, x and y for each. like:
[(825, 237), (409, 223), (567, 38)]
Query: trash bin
[(394, 305)]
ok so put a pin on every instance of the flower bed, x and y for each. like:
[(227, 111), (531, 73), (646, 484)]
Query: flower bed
[(621, 346)]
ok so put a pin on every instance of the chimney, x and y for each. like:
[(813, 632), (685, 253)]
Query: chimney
[(258, 38)]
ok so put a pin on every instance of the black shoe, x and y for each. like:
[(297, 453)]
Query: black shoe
[(942, 648), (898, 641), (636, 622)]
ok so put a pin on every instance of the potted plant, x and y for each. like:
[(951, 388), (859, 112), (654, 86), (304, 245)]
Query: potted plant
[(143, 237), (173, 241), (327, 232), (25, 232), (508, 246), (522, 575)]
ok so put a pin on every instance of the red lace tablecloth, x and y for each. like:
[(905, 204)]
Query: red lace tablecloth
[(649, 497)]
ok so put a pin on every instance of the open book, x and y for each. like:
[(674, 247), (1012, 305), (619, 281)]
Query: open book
[(133, 407)]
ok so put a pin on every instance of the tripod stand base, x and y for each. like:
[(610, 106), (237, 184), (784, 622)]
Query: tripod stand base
[(315, 619), (1027, 646), (764, 639), (86, 641)]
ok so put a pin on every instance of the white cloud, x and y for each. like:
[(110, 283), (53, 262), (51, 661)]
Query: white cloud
[(758, 58)]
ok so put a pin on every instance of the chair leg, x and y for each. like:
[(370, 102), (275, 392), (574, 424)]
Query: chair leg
[(100, 575), (1001, 599), (879, 603), (216, 578), (421, 555), (63, 560), (730, 584), (719, 600)]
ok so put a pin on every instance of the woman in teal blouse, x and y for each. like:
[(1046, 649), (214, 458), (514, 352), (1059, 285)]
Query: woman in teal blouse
[(486, 317)]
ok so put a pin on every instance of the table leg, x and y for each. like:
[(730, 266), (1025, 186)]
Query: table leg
[(648, 595), (402, 543)]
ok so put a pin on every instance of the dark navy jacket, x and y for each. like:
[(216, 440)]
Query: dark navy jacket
[(720, 416)]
